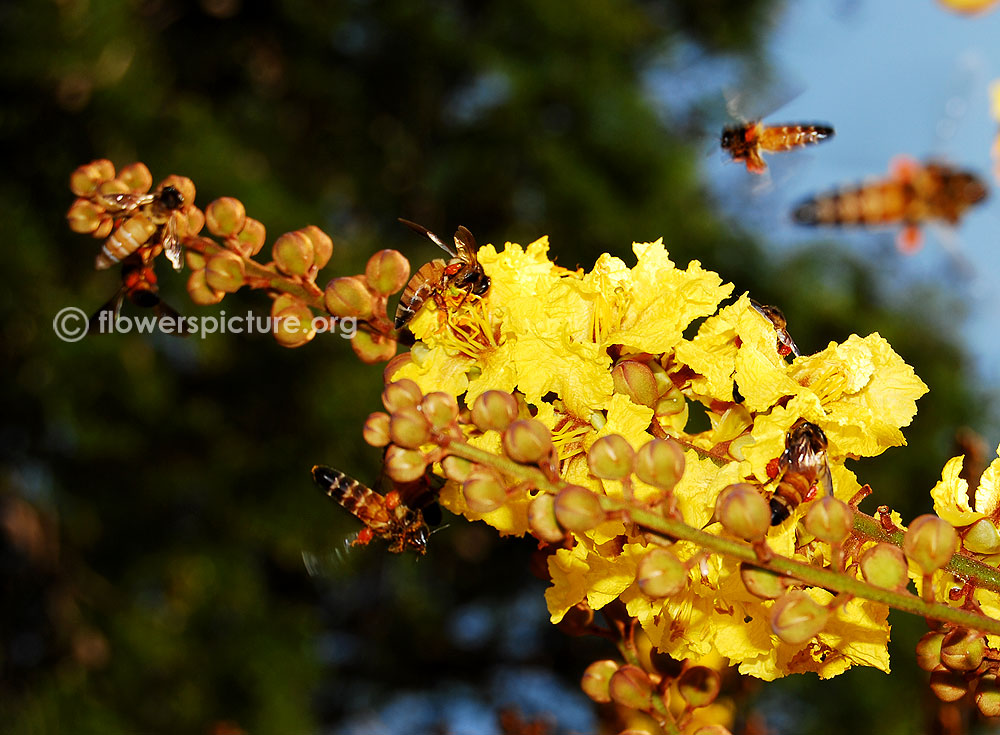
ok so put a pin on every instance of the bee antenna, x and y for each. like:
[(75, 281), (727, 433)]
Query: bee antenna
[(438, 528)]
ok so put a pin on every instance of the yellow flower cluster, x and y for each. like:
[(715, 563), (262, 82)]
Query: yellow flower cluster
[(554, 336)]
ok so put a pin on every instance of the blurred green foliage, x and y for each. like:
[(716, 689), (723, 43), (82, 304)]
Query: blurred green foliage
[(156, 493)]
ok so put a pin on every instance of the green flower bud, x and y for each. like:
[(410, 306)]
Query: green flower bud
[(630, 687), (578, 509), (884, 565), (321, 243), (948, 686), (85, 179), (136, 177), (225, 271), (376, 431), (483, 491), (796, 618), (988, 696), (661, 574), (830, 520), (610, 458), (404, 465), (699, 686), (349, 296), (183, 184), (743, 512), (929, 650), (225, 217), (542, 519), (762, 583), (635, 380), (293, 253), (401, 394), (527, 441), (250, 239), (408, 427), (670, 403), (660, 463), (199, 290), (712, 730), (930, 542), (441, 409), (373, 348), (293, 323), (962, 649), (982, 537), (597, 680), (387, 271), (84, 216), (494, 410), (456, 468)]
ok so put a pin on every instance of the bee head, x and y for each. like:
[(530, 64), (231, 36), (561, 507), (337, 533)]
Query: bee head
[(729, 136), (171, 197)]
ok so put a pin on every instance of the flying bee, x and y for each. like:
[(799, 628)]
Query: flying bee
[(801, 467), (462, 273), (139, 285), (386, 516), (746, 142), (786, 345), (913, 195), (143, 216)]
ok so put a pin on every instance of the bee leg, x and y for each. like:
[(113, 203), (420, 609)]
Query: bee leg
[(909, 240)]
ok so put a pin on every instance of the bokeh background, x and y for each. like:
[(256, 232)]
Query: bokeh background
[(155, 493)]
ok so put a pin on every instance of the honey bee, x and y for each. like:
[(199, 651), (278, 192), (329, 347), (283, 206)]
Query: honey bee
[(786, 345), (385, 516), (914, 194), (462, 273), (143, 215), (139, 285), (801, 467), (746, 142)]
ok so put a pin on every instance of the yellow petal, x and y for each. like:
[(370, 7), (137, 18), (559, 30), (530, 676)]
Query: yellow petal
[(988, 492)]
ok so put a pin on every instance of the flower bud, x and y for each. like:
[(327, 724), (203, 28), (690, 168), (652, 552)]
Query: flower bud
[(699, 686), (542, 519), (84, 216), (578, 509), (440, 409), (930, 542), (225, 271), (830, 520), (190, 222), (660, 463), (85, 179), (731, 424), (183, 184), (597, 680), (225, 217), (796, 618), (387, 271), (401, 394), (376, 431), (631, 688), (293, 323), (988, 696), (743, 512), (963, 649), (635, 380), (200, 292), (483, 491), (195, 261), (409, 428), (670, 403), (661, 574), (762, 582), (136, 177), (884, 565), (404, 465), (250, 238), (394, 365), (982, 537), (712, 730), (610, 458), (527, 441), (929, 650), (456, 468), (948, 686), (373, 348), (349, 296), (293, 253), (321, 243), (494, 410)]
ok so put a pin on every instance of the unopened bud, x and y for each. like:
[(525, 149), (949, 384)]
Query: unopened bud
[(401, 394), (597, 680), (930, 542), (321, 243), (483, 491), (527, 441), (225, 217), (293, 253), (85, 179), (387, 271), (660, 463), (292, 324), (542, 519), (661, 574), (670, 403), (699, 686), (404, 465), (136, 177), (988, 696), (376, 431), (929, 650), (631, 688), (830, 520), (373, 348), (962, 649), (199, 290), (884, 565), (762, 582), (225, 271), (796, 617), (183, 184), (409, 428), (494, 410), (982, 537), (578, 509), (84, 216), (635, 380), (743, 512), (712, 730), (610, 458), (349, 296), (440, 409), (456, 468), (948, 686), (250, 239)]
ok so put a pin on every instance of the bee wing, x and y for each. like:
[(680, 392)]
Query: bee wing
[(465, 244), (825, 479), (420, 229), (172, 243), (125, 203), (105, 325)]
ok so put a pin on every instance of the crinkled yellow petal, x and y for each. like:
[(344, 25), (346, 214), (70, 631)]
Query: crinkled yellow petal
[(988, 492), (951, 495), (434, 369), (700, 485), (583, 572), (579, 373)]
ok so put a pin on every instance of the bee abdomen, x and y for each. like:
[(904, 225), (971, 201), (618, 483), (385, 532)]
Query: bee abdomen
[(786, 137), (343, 489), (132, 234)]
